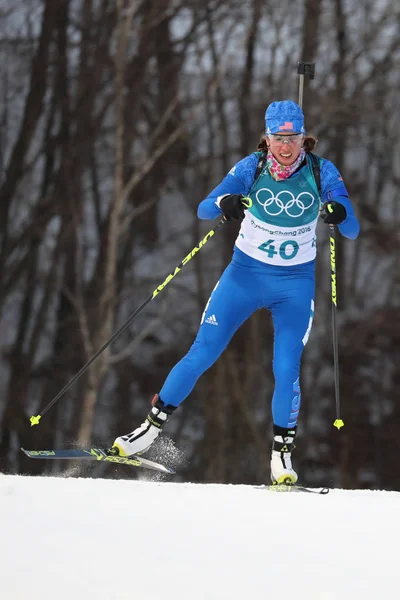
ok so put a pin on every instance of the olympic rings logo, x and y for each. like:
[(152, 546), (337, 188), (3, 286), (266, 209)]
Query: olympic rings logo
[(286, 202)]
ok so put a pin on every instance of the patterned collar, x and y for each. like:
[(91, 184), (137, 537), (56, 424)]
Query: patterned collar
[(279, 171)]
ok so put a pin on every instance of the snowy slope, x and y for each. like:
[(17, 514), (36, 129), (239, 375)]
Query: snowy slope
[(102, 539)]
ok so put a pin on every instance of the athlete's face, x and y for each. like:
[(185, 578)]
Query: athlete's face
[(285, 147)]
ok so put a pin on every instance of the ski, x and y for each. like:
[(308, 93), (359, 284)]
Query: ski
[(282, 487), (98, 454)]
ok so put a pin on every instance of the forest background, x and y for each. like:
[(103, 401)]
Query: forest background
[(117, 117)]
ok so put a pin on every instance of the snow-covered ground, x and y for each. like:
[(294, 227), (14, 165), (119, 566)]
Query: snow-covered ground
[(73, 539)]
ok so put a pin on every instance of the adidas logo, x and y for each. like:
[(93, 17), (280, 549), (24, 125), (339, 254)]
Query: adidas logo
[(212, 320)]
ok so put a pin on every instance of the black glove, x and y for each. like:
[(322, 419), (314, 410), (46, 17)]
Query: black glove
[(333, 213), (233, 207)]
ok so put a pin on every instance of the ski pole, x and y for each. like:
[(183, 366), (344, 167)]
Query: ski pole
[(303, 69), (338, 423), (247, 202), (309, 68)]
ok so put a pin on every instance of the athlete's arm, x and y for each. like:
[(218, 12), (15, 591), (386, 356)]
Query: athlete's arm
[(333, 189), (238, 181)]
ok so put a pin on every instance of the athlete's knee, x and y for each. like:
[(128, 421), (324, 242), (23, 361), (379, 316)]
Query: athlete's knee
[(202, 356), (285, 369)]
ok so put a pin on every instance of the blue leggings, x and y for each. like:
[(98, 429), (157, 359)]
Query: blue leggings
[(245, 286)]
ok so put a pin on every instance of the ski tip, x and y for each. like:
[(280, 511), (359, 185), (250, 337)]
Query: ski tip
[(35, 420), (151, 464)]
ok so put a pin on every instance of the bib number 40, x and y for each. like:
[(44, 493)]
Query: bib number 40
[(287, 250)]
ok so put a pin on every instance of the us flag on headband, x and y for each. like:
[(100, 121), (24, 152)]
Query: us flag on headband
[(286, 125)]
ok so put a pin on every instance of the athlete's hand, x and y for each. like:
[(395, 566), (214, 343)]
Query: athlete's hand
[(333, 213), (233, 206)]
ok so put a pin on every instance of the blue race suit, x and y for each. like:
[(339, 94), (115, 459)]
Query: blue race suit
[(272, 267)]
